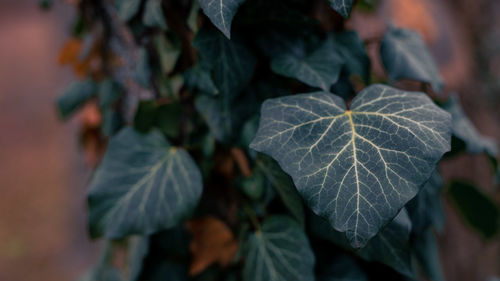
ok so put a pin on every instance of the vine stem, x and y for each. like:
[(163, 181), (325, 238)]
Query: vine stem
[(251, 214)]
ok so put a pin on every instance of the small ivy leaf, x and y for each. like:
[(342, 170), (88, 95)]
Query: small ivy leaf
[(352, 50), (197, 77), (231, 63), (142, 186), (127, 9), (405, 55), (426, 209), (342, 268), (390, 246), (319, 69), (221, 13), (168, 52), (427, 253), (343, 7), (153, 14), (476, 208), (356, 167), (280, 251), (465, 130), (74, 97), (192, 20), (284, 186)]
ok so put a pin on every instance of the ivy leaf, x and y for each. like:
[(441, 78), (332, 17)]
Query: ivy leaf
[(232, 64), (197, 77), (74, 97), (352, 50), (127, 9), (427, 253), (279, 251), (221, 13), (465, 130), (284, 186), (153, 14), (476, 208), (426, 209), (342, 268), (319, 69), (343, 7), (390, 246), (405, 55), (357, 167), (168, 52), (143, 185)]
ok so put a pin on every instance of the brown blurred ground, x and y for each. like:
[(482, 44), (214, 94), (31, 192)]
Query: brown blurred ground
[(43, 178)]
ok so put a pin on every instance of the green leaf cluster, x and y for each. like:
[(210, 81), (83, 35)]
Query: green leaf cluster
[(251, 112)]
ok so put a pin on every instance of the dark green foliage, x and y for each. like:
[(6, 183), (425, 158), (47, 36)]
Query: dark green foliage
[(404, 55), (194, 94)]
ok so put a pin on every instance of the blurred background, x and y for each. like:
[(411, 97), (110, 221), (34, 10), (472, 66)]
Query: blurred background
[(44, 171)]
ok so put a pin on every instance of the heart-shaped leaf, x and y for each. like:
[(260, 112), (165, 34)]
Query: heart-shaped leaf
[(279, 251), (143, 185), (221, 13), (405, 55), (355, 167), (319, 69)]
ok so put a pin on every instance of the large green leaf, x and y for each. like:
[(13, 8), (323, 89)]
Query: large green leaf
[(74, 97), (284, 186), (390, 246), (127, 9), (343, 7), (405, 55), (279, 251), (353, 51), (221, 13), (231, 63), (143, 185), (465, 130), (355, 167), (153, 14), (426, 209), (319, 69), (476, 208)]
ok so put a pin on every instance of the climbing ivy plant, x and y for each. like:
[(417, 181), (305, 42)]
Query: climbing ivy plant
[(245, 140)]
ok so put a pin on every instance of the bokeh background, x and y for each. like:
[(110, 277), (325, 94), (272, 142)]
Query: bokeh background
[(44, 171)]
